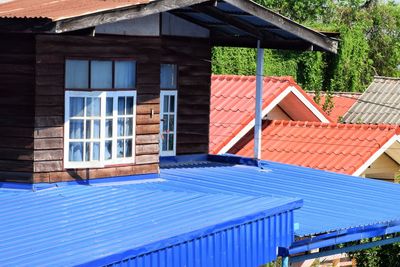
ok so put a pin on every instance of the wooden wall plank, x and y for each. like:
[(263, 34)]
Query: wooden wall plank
[(193, 57), (17, 86)]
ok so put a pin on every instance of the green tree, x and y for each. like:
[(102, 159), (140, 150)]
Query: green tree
[(370, 45)]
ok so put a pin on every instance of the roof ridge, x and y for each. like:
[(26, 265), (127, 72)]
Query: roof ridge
[(336, 93), (365, 126), (246, 77), (387, 78)]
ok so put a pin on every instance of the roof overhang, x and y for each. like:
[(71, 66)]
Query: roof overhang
[(238, 23)]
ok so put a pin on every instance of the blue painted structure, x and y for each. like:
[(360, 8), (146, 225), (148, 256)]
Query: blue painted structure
[(200, 211), (337, 208), (123, 225)]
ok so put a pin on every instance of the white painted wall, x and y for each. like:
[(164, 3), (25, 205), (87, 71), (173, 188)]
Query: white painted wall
[(144, 26)]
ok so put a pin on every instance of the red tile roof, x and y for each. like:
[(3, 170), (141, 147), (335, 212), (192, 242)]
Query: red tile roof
[(60, 9), (342, 148), (233, 104), (342, 102)]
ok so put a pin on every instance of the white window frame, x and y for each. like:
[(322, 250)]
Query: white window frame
[(103, 96), (162, 94)]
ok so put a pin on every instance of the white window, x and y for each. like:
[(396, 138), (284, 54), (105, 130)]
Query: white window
[(168, 111), (99, 126)]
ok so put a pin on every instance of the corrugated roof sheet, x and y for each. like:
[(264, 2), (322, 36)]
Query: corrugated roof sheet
[(380, 103), (332, 201), (100, 225), (342, 102), (233, 104), (342, 148), (60, 9)]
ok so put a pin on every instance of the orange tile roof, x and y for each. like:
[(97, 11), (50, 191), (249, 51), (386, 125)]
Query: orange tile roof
[(233, 103), (342, 148), (342, 102), (60, 9)]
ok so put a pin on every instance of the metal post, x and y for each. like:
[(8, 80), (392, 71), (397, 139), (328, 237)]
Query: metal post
[(285, 261), (259, 93)]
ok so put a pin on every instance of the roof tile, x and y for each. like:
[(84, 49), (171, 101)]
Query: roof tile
[(62, 9), (327, 146), (233, 102), (380, 103)]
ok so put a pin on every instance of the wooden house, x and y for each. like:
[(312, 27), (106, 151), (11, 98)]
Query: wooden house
[(99, 89)]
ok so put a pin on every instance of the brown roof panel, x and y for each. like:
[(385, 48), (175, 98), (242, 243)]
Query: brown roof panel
[(60, 9)]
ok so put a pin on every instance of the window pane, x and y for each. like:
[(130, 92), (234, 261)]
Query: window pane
[(125, 72), (129, 105), (93, 106), (121, 105), (172, 104), (165, 103), (101, 74), (164, 142), (120, 127), (88, 129), (165, 123), (108, 150), (88, 106), (120, 148), (75, 151), (109, 109), (171, 123), (109, 128), (76, 129), (128, 127), (76, 74), (96, 129), (168, 76), (87, 152), (96, 151), (171, 142), (76, 105), (128, 148), (96, 107)]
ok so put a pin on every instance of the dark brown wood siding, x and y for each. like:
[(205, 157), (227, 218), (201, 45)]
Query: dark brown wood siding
[(32, 101), (17, 83), (52, 50), (193, 57)]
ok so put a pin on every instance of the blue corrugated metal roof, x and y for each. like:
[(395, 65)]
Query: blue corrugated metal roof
[(332, 202), (100, 225)]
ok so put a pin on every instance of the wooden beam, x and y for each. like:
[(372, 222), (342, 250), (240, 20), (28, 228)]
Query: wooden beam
[(251, 42), (229, 19), (116, 15), (313, 37)]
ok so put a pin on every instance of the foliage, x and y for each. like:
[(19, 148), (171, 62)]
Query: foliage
[(352, 72), (369, 45), (388, 255)]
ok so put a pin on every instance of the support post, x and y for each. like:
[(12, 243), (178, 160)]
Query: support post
[(285, 261), (259, 93)]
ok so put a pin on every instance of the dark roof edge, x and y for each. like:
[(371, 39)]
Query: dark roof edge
[(313, 37), (115, 15), (282, 22)]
